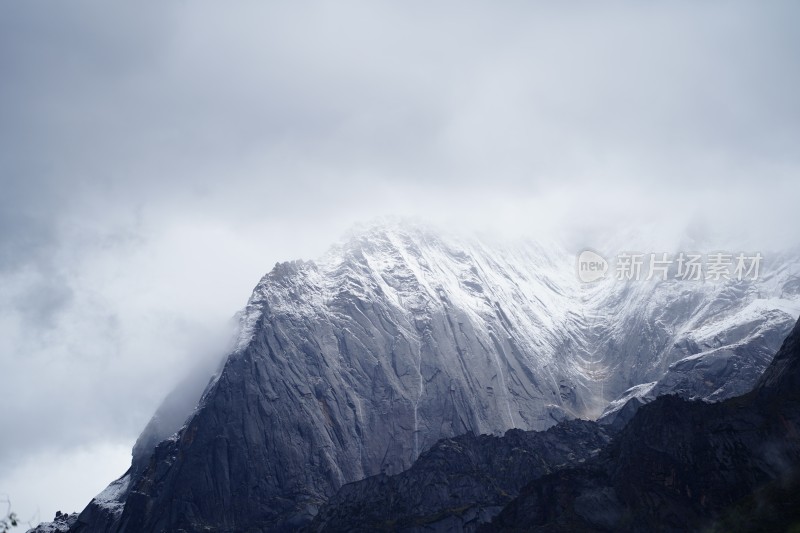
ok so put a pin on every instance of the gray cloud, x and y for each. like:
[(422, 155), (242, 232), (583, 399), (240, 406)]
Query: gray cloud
[(156, 159)]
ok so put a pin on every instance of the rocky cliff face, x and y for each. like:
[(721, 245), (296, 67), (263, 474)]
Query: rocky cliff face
[(677, 466), (353, 365), (728, 362)]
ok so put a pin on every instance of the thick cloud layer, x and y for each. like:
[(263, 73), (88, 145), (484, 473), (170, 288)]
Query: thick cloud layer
[(156, 159)]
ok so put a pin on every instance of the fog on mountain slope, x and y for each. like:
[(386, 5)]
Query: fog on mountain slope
[(354, 364)]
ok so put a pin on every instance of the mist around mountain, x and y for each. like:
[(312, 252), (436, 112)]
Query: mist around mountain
[(429, 378)]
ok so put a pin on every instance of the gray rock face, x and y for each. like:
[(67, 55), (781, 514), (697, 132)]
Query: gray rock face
[(60, 524), (355, 364), (729, 361)]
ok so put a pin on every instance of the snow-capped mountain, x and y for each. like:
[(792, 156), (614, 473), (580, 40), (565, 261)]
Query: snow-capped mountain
[(354, 364)]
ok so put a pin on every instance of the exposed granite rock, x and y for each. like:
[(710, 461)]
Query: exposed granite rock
[(728, 362), (61, 523), (353, 365)]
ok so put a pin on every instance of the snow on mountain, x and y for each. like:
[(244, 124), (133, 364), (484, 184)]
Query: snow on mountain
[(356, 363)]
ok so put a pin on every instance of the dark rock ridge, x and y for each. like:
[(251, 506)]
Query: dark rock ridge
[(460, 482), (684, 466)]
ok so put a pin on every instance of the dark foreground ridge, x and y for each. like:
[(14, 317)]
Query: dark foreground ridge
[(460, 482)]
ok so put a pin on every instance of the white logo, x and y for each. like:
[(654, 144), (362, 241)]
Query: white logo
[(591, 266)]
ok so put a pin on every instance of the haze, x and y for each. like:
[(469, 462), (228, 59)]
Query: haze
[(157, 158)]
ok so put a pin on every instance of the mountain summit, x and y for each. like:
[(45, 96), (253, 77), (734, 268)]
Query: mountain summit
[(355, 364)]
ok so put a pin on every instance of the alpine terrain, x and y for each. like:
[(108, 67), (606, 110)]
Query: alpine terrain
[(405, 344)]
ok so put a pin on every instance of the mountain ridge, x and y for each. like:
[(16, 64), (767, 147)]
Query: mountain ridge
[(355, 364)]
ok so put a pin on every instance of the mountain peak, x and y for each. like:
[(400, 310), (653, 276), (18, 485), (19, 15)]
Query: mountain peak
[(354, 364)]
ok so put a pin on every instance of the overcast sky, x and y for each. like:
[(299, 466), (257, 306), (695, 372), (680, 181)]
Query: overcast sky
[(157, 158)]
